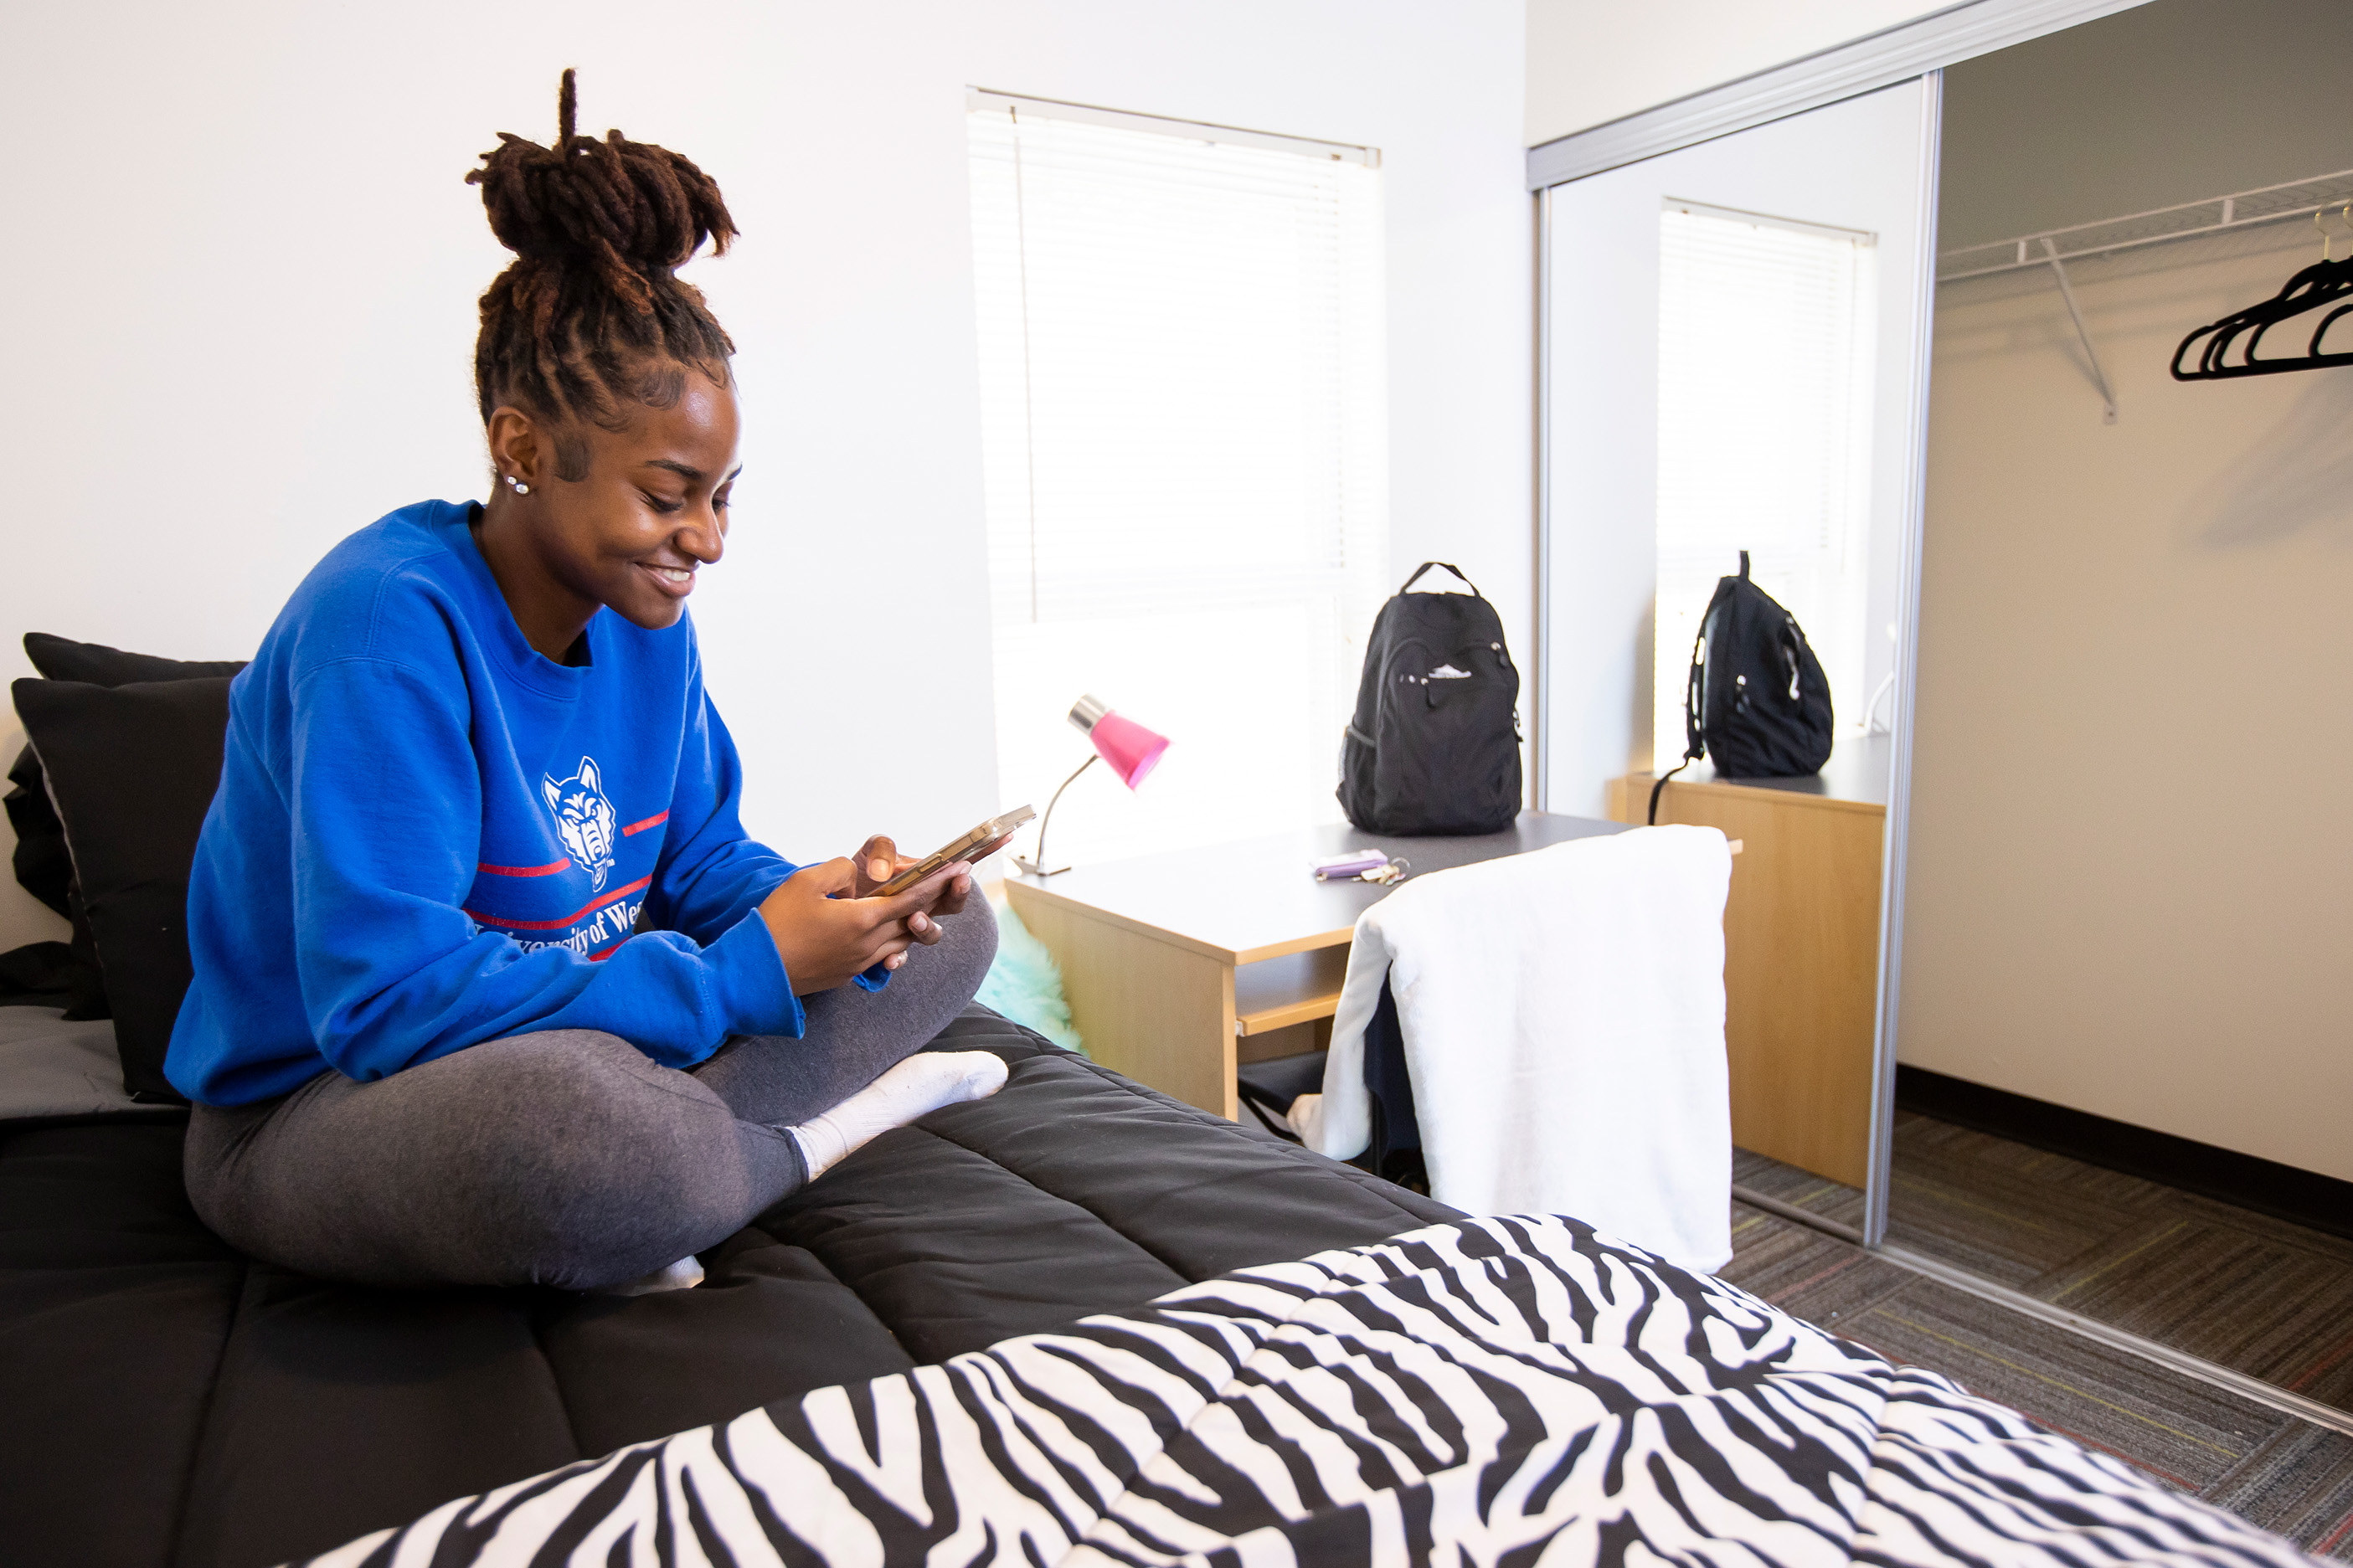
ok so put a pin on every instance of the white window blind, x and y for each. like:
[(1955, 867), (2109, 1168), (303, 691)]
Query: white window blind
[(1765, 396), (1182, 413)]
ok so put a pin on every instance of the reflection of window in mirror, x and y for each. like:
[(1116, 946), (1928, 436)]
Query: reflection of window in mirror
[(1765, 402)]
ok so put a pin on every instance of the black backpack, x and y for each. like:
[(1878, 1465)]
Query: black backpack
[(1757, 700), (1435, 744)]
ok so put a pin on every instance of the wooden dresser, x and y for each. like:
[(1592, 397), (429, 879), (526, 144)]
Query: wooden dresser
[(1800, 947)]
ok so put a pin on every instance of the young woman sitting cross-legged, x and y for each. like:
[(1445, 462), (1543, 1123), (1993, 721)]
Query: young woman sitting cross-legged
[(490, 986)]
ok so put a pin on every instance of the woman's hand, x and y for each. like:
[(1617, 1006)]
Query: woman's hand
[(826, 934), (879, 860)]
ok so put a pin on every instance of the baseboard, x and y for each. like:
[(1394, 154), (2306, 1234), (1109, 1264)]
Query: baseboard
[(2282, 1191)]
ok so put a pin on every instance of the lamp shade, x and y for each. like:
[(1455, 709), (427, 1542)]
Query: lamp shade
[(1130, 748)]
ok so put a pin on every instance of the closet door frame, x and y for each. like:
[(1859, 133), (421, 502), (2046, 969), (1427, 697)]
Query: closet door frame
[(1918, 50), (1880, 59)]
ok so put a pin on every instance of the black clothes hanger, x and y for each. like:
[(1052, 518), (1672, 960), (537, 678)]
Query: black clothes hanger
[(2320, 285)]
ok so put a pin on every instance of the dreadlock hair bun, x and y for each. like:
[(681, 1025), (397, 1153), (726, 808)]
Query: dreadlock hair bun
[(591, 313)]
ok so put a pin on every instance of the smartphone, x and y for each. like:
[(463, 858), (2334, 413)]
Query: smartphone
[(980, 842)]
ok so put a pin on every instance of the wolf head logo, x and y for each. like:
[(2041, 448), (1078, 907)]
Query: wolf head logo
[(584, 819)]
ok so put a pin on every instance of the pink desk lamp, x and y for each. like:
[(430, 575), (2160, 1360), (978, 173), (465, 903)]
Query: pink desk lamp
[(1130, 749)]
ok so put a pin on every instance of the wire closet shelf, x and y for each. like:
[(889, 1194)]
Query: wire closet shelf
[(2216, 214)]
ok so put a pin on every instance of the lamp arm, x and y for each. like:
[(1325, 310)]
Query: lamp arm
[(1044, 821)]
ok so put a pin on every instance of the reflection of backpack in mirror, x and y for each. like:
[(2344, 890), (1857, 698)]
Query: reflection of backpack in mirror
[(1435, 744), (1756, 701)]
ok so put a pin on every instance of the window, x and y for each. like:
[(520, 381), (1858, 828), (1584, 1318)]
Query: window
[(1182, 413), (1764, 393)]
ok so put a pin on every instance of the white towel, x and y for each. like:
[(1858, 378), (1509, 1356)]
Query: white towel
[(1563, 1015)]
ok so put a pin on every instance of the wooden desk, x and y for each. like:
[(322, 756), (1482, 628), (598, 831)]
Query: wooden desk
[(1800, 948), (1169, 960)]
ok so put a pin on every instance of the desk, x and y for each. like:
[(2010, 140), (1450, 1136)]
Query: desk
[(1169, 960), (1800, 948)]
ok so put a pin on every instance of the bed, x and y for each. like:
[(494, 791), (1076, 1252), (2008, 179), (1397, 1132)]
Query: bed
[(1070, 1324), (1077, 1322), (1498, 1391), (169, 1401)]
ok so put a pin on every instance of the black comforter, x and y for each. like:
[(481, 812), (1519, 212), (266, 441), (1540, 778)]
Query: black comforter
[(165, 1400)]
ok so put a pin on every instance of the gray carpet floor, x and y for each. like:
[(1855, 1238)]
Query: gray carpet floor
[(2264, 1297), (2260, 1296)]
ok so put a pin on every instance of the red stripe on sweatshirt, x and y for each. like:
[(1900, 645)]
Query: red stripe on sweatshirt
[(649, 822), (590, 908), (550, 869)]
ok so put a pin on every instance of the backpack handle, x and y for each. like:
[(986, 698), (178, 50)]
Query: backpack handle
[(1451, 567), (1695, 701)]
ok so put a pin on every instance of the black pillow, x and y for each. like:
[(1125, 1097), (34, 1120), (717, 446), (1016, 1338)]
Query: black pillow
[(38, 975), (43, 867), (60, 658), (133, 769)]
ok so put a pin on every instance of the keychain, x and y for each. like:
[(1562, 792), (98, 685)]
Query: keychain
[(1363, 866)]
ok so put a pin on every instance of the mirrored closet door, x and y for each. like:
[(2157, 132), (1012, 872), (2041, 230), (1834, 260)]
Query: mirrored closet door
[(1733, 365)]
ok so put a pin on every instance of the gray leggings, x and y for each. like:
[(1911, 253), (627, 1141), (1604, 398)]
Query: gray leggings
[(565, 1158)]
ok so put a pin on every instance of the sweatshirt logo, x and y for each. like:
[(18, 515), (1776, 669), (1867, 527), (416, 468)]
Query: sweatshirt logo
[(584, 819)]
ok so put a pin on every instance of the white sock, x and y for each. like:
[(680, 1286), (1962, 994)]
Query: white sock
[(683, 1275), (916, 1086)]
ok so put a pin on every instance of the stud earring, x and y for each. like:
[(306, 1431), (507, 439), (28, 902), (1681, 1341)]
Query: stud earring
[(516, 485)]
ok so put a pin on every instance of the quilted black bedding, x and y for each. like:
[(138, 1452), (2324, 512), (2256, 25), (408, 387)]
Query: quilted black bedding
[(165, 1400)]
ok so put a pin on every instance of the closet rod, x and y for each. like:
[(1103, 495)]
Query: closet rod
[(2241, 209)]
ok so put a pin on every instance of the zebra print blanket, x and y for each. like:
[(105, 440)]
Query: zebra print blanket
[(1489, 1391)]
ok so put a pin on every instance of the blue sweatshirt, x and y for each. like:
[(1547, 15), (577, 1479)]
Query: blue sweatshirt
[(428, 835)]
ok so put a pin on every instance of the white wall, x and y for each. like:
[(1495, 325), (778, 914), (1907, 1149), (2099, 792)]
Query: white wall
[(2130, 841), (239, 302), (1591, 61)]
